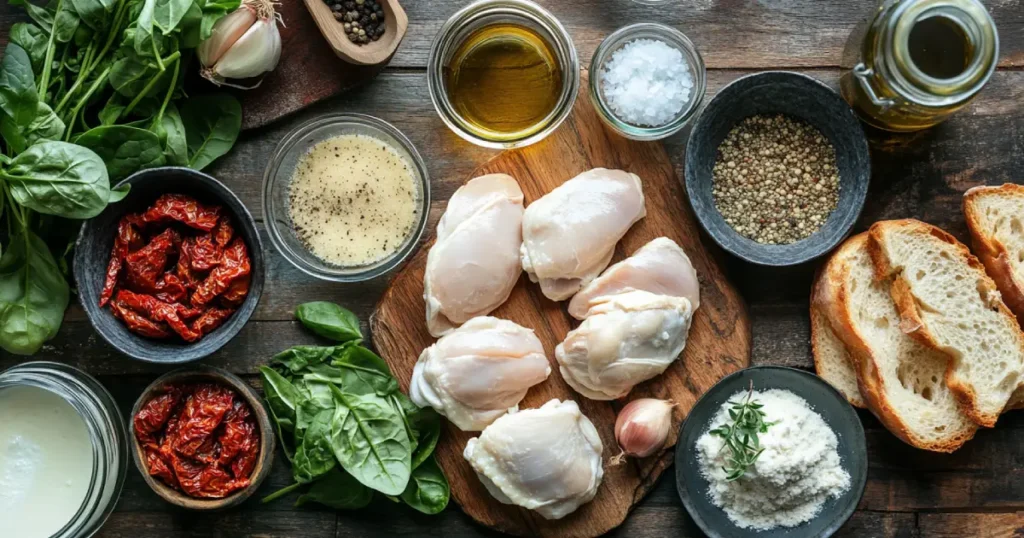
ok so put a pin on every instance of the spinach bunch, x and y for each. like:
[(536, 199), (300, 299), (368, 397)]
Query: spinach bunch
[(87, 96), (344, 425)]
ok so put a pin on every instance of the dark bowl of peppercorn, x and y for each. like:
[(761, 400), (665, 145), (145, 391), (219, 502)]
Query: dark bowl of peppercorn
[(362, 32), (777, 168), (178, 292)]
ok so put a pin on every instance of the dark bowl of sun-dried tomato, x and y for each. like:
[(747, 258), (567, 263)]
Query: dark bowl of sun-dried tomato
[(201, 438), (173, 271)]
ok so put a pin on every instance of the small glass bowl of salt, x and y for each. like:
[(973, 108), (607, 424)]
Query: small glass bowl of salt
[(647, 81)]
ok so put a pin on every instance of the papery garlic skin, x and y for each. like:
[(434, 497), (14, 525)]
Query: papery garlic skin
[(642, 427), (244, 44)]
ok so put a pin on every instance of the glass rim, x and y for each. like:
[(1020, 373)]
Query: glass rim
[(617, 40), (299, 260)]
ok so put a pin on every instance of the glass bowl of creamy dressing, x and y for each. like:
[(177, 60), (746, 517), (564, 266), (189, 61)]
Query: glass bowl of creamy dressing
[(63, 452), (346, 197)]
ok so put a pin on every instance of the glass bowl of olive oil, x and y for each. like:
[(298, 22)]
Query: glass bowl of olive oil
[(503, 73)]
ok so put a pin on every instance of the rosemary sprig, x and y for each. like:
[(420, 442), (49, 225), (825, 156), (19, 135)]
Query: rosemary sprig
[(741, 435)]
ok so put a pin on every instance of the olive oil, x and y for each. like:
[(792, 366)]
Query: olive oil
[(504, 81), (939, 47)]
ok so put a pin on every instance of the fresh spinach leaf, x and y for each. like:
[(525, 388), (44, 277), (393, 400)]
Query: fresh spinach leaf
[(298, 359), (173, 137), (40, 15), (124, 149), (338, 490), (428, 490), (370, 441), (18, 97), (65, 23), (33, 294), (58, 178), (423, 425), (363, 372), (129, 75), (314, 457), (167, 14), (31, 38), (111, 110), (212, 123), (45, 126), (329, 320), (95, 13), (282, 397)]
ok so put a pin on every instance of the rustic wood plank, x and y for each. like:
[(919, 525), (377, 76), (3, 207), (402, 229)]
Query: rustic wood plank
[(975, 525), (177, 523)]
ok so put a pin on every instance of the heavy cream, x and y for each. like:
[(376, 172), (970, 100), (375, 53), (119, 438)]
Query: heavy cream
[(353, 200), (46, 462)]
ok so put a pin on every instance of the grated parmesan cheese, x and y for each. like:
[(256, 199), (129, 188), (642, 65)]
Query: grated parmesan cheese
[(798, 471)]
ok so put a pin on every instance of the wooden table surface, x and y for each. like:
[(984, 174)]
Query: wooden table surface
[(979, 491)]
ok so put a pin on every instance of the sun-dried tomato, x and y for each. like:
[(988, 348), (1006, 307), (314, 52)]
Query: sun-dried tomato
[(171, 434), (159, 468), (127, 239), (201, 481), (234, 296), (170, 289), (203, 253), (184, 209), (211, 319), (139, 323), (234, 264), (154, 414), (204, 410), (224, 232), (157, 310), (146, 264)]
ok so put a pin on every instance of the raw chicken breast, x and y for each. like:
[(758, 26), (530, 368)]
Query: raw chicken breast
[(569, 234), (625, 339), (474, 264), (546, 459), (660, 267), (479, 372)]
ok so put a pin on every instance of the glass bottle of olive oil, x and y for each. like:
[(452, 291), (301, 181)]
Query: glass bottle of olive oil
[(920, 61), (504, 80)]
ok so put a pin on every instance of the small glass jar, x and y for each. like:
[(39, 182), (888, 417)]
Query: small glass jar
[(898, 84), (659, 32), (106, 431), (492, 12)]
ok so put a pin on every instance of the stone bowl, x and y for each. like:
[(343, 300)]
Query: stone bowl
[(801, 97), (96, 239)]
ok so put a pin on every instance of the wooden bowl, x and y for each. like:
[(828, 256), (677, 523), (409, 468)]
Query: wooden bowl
[(372, 53), (267, 438)]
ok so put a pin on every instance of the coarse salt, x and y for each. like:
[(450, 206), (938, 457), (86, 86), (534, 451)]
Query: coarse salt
[(647, 82), (798, 471)]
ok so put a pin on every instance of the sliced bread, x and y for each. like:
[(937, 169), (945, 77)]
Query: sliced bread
[(946, 301), (831, 360), (902, 380), (995, 216)]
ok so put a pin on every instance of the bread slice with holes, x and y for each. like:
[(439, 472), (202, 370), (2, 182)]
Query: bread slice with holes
[(995, 217), (832, 361), (948, 302), (902, 380)]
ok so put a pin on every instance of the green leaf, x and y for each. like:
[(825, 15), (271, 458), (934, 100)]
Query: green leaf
[(33, 294), (18, 97), (118, 194), (423, 425), (298, 359), (31, 38), (167, 14), (329, 320), (125, 150), (129, 75), (314, 457), (173, 138), (212, 123), (282, 397), (370, 442), (428, 489), (95, 13), (58, 178), (338, 490), (41, 16), (46, 126), (65, 23), (363, 372)]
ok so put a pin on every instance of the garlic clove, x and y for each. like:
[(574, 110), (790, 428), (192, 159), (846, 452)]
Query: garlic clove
[(226, 32), (642, 427), (255, 53)]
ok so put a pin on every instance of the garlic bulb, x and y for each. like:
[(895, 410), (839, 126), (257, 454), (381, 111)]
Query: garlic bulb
[(244, 44), (642, 427)]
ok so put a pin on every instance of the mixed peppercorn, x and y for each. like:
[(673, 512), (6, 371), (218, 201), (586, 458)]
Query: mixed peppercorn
[(363, 20), (186, 279), (200, 439)]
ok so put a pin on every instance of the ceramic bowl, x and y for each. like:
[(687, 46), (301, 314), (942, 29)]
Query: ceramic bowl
[(96, 239), (795, 95), (267, 438), (825, 400)]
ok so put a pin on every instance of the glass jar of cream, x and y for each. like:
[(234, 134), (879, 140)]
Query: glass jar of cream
[(63, 452)]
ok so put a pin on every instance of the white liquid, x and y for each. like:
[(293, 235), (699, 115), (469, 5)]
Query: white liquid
[(45, 462)]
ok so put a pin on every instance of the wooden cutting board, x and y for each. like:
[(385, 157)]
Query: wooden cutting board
[(719, 340)]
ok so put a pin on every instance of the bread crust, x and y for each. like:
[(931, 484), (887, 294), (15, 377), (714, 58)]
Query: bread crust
[(820, 297), (992, 252), (906, 304), (870, 381)]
